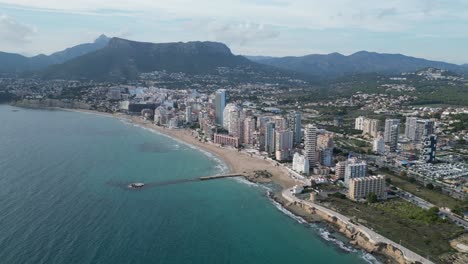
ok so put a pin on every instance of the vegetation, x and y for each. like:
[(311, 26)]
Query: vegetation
[(400, 220), (431, 195), (372, 198)]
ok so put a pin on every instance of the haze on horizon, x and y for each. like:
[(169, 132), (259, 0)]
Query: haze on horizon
[(431, 29)]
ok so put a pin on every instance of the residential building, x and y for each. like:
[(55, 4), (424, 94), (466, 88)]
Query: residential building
[(220, 104), (378, 145), (249, 130), (310, 144), (389, 133), (326, 156), (360, 188), (340, 169), (355, 169), (226, 140), (300, 163), (294, 122), (270, 138), (429, 146), (283, 144)]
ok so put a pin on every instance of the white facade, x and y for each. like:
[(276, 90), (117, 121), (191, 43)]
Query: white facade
[(300, 164), (388, 129), (378, 145), (310, 144), (355, 169), (359, 188)]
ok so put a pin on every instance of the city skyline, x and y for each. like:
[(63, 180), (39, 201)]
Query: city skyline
[(262, 27)]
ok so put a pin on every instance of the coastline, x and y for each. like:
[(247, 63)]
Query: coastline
[(237, 162)]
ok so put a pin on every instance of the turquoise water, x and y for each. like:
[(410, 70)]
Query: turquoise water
[(61, 200)]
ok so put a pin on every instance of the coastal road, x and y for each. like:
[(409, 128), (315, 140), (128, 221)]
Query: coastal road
[(374, 237), (427, 205)]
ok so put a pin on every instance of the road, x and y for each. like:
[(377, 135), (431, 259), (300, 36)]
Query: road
[(427, 205)]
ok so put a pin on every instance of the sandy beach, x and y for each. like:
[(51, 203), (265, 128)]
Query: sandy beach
[(237, 162)]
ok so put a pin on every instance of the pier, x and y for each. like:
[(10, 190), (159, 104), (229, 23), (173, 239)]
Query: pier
[(214, 177)]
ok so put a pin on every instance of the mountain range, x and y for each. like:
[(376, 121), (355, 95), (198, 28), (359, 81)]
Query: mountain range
[(125, 59), (336, 64), (120, 59), (16, 63)]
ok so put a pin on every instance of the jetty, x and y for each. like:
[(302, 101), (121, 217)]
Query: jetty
[(222, 176)]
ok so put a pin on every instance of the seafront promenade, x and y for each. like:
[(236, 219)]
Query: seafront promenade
[(373, 237)]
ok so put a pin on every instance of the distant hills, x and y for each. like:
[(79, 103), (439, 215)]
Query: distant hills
[(16, 63), (125, 59), (120, 59), (336, 64)]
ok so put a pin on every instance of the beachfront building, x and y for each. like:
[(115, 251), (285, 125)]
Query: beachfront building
[(160, 116), (310, 144), (283, 145), (300, 164), (360, 188), (188, 114), (226, 140), (220, 104), (355, 169), (270, 138), (249, 130), (227, 114)]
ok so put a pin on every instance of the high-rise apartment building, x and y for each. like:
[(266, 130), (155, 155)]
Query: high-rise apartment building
[(355, 169), (220, 104), (360, 188), (388, 129), (310, 144)]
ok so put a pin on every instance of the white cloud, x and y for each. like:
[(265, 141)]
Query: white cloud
[(392, 15), (13, 32), (242, 33)]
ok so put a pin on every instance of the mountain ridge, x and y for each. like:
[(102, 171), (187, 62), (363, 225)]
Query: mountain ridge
[(125, 59), (17, 63), (336, 64)]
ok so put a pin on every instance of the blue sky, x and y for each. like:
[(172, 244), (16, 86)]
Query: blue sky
[(433, 29)]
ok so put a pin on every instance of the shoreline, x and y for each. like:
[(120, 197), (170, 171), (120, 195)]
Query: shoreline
[(236, 162)]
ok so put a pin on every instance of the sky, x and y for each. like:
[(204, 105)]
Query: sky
[(432, 29)]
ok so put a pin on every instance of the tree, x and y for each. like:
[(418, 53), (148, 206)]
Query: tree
[(430, 186), (412, 180), (372, 198), (388, 180), (403, 174)]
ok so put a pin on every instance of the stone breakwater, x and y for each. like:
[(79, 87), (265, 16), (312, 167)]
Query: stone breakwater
[(51, 103), (359, 235)]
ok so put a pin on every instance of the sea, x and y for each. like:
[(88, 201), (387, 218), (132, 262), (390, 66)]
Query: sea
[(64, 199)]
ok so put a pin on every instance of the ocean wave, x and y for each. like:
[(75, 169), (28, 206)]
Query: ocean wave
[(369, 258), (325, 234), (286, 211)]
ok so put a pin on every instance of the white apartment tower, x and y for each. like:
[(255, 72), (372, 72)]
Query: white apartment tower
[(310, 144)]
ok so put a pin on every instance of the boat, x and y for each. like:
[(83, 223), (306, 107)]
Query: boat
[(136, 185)]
